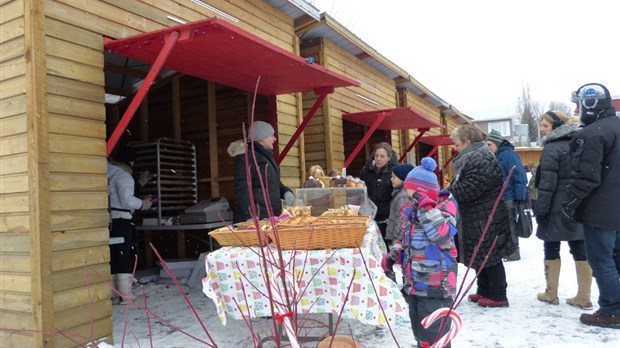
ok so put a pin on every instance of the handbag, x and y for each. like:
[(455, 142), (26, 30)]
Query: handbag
[(523, 217)]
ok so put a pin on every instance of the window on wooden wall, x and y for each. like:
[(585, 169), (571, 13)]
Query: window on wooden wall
[(503, 127)]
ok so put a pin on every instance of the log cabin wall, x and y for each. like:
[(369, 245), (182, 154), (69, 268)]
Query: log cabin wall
[(53, 209), (327, 143), (25, 239)]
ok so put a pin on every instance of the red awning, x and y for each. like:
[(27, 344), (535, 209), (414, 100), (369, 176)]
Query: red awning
[(215, 50), (437, 140), (397, 118), (389, 119)]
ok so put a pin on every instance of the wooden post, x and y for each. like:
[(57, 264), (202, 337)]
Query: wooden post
[(212, 115), (42, 302)]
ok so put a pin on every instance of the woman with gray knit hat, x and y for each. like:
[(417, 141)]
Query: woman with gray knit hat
[(517, 186), (261, 138), (551, 180)]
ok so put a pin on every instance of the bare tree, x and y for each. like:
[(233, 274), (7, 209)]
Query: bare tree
[(528, 112), (559, 106)]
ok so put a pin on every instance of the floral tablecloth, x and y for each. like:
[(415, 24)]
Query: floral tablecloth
[(235, 282)]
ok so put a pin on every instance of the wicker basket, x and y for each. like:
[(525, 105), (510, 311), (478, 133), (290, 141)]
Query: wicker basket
[(340, 341), (321, 236), (238, 237), (359, 219)]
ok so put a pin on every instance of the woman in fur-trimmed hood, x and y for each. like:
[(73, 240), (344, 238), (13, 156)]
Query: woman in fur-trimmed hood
[(552, 178), (262, 148)]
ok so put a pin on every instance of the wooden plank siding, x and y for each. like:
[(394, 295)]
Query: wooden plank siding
[(322, 137), (15, 280)]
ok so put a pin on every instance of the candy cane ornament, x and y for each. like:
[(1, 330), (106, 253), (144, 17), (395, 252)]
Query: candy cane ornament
[(454, 328), (282, 314)]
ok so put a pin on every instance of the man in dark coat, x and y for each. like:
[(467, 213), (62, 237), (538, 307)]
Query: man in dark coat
[(592, 196), (262, 134), (517, 186)]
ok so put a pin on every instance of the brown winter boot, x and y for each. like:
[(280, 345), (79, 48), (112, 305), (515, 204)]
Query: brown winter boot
[(552, 276), (584, 283)]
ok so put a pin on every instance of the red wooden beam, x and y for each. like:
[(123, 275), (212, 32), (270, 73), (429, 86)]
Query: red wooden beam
[(171, 40), (445, 165), (413, 143), (359, 146), (433, 151), (321, 93)]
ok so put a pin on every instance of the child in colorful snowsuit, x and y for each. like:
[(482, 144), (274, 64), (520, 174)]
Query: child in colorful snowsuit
[(426, 250)]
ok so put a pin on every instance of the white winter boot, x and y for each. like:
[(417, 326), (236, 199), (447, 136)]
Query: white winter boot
[(125, 281), (114, 285)]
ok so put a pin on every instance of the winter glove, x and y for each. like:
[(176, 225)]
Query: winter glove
[(146, 203), (426, 203), (392, 257), (144, 177), (289, 199), (569, 208)]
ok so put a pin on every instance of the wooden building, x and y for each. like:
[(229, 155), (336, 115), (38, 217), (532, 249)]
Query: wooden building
[(384, 85), (59, 62)]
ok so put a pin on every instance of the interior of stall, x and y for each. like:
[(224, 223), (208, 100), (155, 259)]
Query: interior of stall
[(190, 100), (156, 120), (353, 133)]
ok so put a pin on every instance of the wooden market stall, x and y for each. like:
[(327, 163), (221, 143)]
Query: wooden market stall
[(58, 58), (54, 229), (199, 49)]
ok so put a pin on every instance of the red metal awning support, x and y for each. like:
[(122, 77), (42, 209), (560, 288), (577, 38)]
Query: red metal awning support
[(171, 40), (413, 143), (321, 93), (372, 128), (445, 165), (433, 151)]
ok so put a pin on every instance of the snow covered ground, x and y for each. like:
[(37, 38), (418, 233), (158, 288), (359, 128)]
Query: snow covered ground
[(526, 323)]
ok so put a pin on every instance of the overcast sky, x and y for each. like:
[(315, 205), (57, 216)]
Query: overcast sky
[(477, 54)]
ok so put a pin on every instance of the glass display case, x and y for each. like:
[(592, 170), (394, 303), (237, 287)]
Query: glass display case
[(323, 199)]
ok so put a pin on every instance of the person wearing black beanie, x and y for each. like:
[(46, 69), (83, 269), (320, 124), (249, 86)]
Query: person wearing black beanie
[(399, 198), (123, 203)]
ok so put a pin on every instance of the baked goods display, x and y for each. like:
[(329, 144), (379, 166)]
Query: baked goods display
[(347, 210)]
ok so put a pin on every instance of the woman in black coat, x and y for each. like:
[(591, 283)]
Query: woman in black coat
[(476, 187), (552, 178), (377, 174), (262, 150)]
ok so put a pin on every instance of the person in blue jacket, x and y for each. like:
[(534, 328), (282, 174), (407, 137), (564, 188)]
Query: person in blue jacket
[(517, 186)]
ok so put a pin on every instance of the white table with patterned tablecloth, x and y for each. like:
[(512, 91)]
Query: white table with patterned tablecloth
[(235, 282)]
